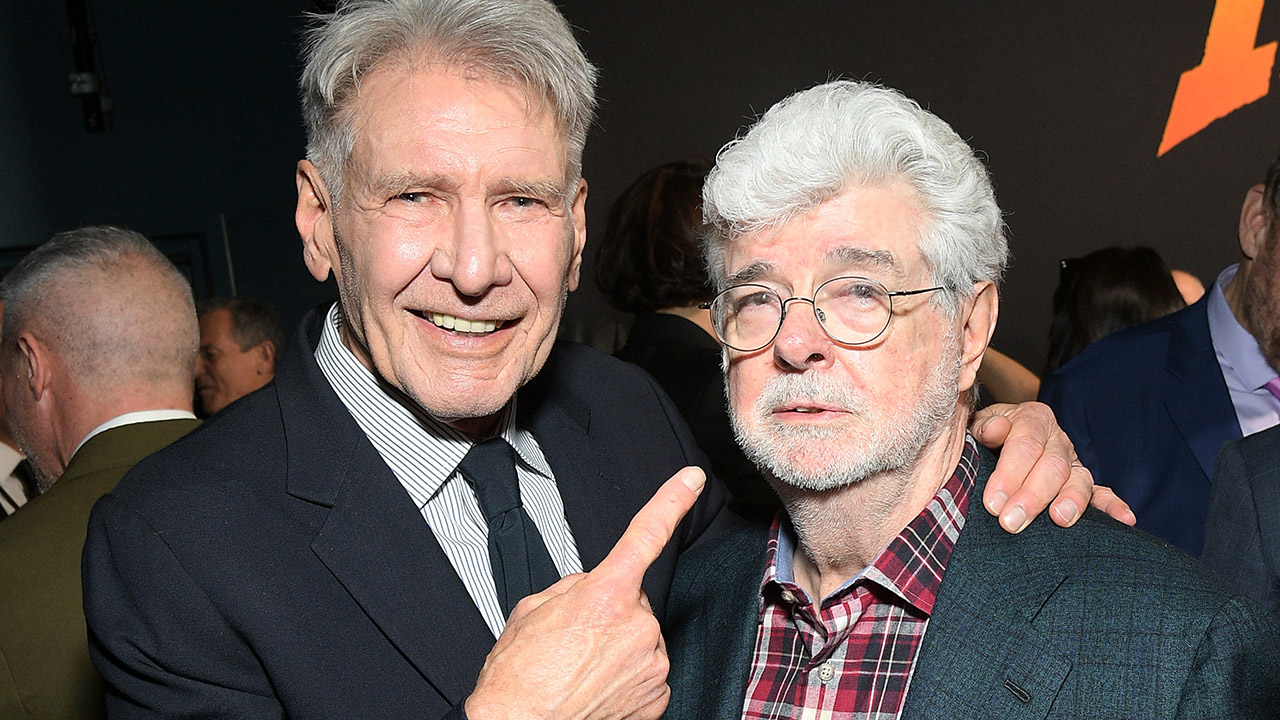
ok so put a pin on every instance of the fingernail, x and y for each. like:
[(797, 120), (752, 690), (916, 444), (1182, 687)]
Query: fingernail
[(694, 480), (1068, 511), (1015, 518), (997, 501)]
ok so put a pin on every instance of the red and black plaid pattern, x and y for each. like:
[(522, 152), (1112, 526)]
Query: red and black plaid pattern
[(852, 655)]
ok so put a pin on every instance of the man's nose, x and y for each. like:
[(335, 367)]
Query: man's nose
[(476, 257), (801, 342)]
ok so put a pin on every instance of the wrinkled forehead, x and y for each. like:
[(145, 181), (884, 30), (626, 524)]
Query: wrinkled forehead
[(869, 231), (537, 101)]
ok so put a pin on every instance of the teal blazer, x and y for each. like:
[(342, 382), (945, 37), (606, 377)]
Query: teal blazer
[(1094, 621)]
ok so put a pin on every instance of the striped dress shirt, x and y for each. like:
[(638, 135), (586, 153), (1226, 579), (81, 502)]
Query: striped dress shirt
[(424, 454)]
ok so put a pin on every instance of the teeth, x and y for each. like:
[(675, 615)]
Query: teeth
[(463, 325)]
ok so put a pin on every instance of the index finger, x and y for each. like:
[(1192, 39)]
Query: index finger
[(652, 527)]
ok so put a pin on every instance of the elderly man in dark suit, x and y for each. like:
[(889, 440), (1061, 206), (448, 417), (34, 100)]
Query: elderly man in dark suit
[(99, 348), (857, 244), (368, 536), (1149, 407), (1242, 537)]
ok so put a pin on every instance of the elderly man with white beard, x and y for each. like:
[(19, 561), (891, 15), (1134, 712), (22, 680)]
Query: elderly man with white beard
[(857, 245)]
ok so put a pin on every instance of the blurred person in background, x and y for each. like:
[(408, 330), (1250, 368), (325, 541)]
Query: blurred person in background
[(651, 264), (99, 345), (1150, 407), (239, 342), (1105, 291)]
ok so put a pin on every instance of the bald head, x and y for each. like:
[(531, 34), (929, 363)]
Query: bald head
[(113, 308), (97, 323)]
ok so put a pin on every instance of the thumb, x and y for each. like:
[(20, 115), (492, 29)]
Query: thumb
[(651, 529)]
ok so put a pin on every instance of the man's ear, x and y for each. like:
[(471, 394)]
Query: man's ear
[(36, 365), (265, 356), (579, 210), (1253, 222), (979, 325), (314, 217)]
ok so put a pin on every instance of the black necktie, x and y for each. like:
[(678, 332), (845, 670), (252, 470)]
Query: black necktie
[(519, 558), (27, 475)]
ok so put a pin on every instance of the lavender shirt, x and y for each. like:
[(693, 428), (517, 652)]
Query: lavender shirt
[(1243, 365)]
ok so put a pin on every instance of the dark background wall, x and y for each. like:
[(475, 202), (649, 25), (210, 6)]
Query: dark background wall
[(1068, 103)]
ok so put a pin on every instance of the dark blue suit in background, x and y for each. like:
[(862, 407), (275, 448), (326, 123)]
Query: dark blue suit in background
[(1148, 410)]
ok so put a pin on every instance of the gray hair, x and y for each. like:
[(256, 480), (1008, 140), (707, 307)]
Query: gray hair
[(109, 303), (252, 322), (524, 42), (812, 145)]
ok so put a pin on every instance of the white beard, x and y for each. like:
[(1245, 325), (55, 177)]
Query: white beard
[(824, 458)]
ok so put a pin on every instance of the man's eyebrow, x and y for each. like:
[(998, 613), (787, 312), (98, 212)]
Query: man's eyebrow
[(750, 273), (547, 190), (863, 258), (398, 182)]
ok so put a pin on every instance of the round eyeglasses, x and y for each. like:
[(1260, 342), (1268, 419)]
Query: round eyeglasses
[(850, 310)]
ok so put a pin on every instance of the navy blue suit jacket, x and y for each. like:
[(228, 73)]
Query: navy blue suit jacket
[(1148, 410), (1093, 621), (1242, 537), (270, 564)]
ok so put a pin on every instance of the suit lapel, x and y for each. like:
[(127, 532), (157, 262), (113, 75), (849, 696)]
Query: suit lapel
[(1196, 395), (985, 612), (374, 540), (376, 543), (561, 422)]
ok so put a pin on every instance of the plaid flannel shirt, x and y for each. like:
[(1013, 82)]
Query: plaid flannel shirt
[(852, 654)]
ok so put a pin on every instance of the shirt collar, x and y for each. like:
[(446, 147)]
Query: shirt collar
[(135, 417), (421, 451), (912, 565), (1237, 350)]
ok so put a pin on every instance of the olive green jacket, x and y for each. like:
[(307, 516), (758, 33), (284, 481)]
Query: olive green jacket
[(44, 659)]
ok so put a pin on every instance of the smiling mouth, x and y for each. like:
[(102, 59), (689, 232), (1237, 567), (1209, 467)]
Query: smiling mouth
[(460, 326)]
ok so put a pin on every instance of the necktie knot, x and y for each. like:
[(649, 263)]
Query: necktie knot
[(490, 468)]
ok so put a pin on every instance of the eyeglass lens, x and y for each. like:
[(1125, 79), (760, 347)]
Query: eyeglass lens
[(851, 310)]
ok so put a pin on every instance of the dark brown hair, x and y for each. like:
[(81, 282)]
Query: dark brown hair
[(1105, 291), (650, 257)]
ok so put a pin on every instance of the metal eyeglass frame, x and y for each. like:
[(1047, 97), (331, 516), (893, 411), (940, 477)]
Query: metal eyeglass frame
[(817, 313)]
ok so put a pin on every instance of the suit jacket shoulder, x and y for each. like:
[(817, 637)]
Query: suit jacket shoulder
[(44, 663), (1242, 536), (712, 622), (1096, 620)]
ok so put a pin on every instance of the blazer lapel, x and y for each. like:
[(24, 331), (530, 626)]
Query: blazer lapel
[(374, 540), (561, 421), (1197, 397), (985, 612)]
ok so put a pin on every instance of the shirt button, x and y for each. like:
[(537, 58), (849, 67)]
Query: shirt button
[(788, 597), (826, 672)]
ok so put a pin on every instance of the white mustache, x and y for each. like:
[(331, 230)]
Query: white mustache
[(785, 390)]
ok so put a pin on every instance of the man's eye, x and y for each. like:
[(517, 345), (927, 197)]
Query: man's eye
[(411, 197), (525, 202)]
